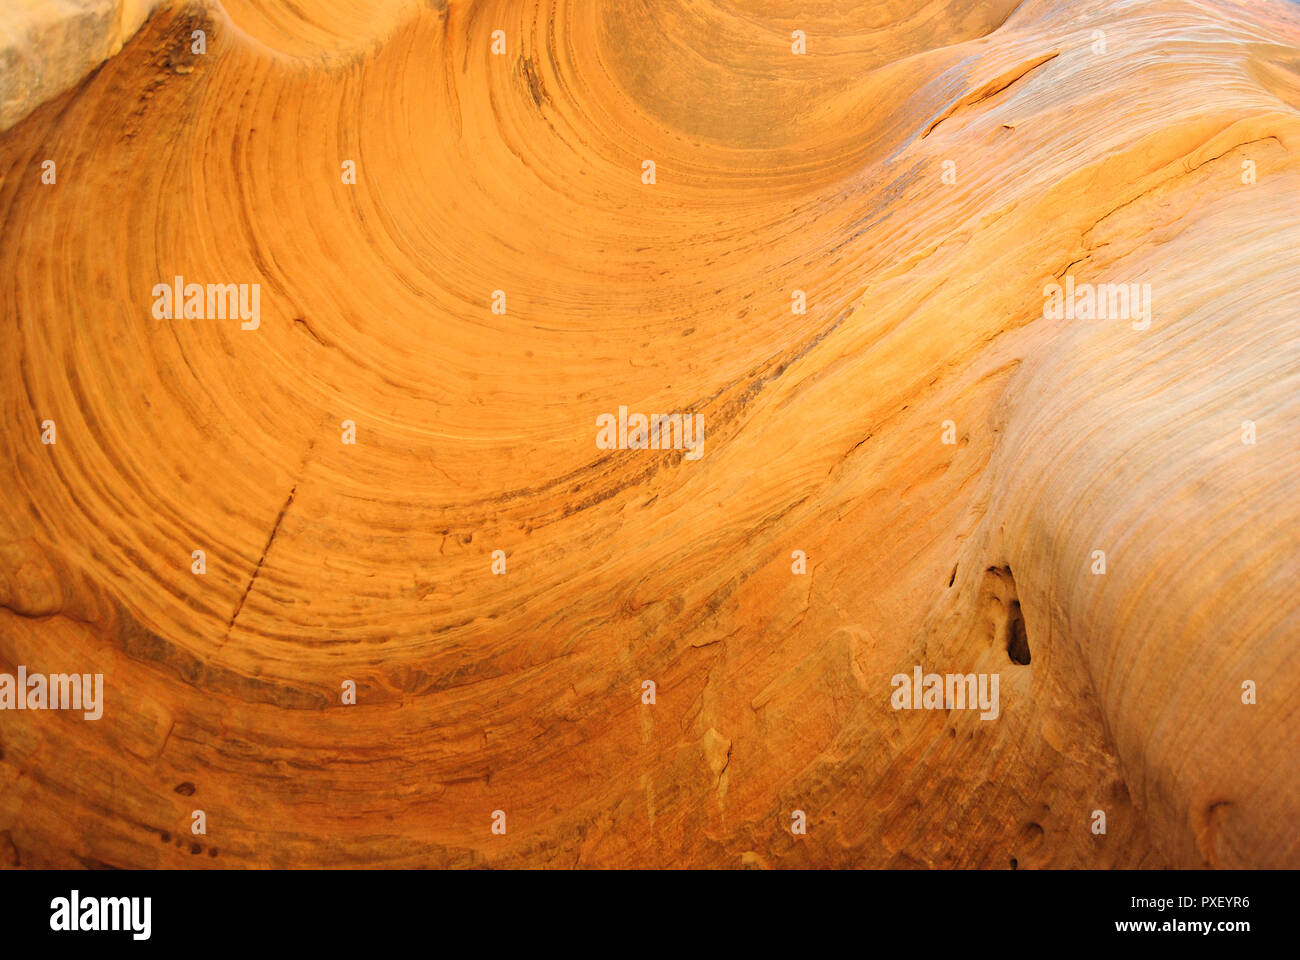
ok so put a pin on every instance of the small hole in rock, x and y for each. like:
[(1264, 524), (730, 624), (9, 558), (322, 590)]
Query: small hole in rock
[(1017, 638)]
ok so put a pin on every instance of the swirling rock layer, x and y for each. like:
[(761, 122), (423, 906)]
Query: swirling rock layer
[(921, 173)]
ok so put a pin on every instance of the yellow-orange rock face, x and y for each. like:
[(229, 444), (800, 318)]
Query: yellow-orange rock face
[(957, 462)]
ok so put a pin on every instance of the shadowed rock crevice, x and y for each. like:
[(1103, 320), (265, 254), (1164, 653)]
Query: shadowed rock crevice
[(1017, 639), (1004, 620)]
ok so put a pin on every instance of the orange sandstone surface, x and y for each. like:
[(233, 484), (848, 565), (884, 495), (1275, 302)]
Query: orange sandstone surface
[(957, 461)]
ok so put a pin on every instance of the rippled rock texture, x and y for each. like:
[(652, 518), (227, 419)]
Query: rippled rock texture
[(864, 267)]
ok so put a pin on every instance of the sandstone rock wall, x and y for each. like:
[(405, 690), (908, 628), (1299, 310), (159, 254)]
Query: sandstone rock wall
[(948, 454)]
